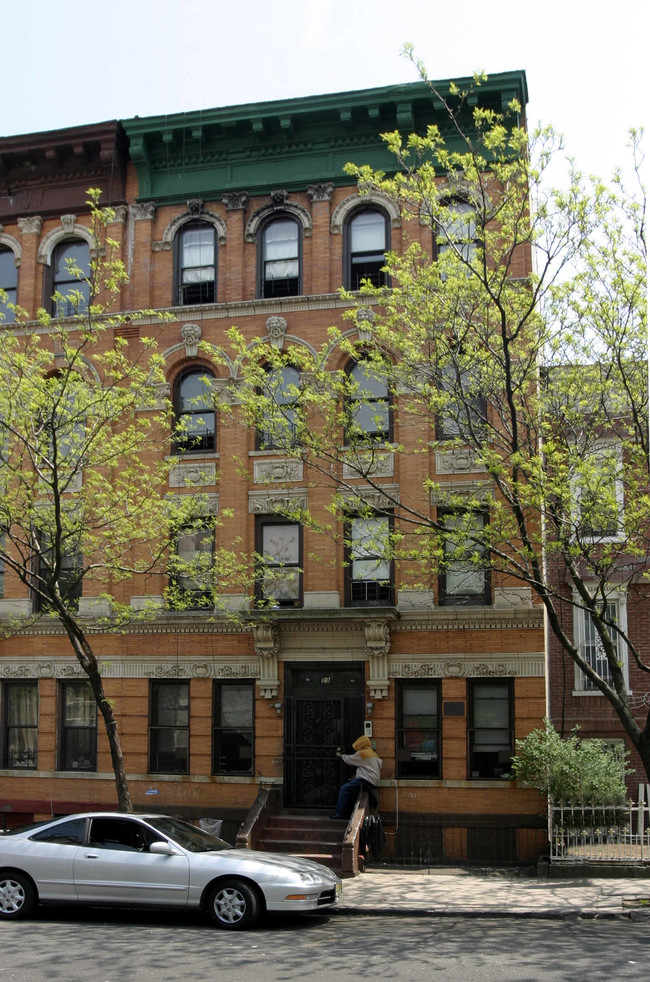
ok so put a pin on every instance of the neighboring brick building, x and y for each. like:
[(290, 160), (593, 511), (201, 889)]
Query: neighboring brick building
[(244, 216)]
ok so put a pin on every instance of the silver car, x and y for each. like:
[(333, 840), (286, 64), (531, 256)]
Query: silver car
[(108, 858)]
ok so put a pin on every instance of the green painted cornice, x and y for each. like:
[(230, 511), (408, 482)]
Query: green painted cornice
[(291, 143)]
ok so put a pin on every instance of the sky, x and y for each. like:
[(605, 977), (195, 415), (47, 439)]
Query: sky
[(67, 65)]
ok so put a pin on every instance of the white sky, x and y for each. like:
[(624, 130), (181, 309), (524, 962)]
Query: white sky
[(65, 64)]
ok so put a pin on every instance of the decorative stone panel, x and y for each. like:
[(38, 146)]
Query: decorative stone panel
[(276, 470), (193, 474), (360, 465), (457, 460), (273, 503)]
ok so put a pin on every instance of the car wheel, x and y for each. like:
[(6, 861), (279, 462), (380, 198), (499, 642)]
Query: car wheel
[(17, 896), (234, 905)]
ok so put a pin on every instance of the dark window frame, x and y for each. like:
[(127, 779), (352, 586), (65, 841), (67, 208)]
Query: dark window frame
[(440, 247), (293, 406), (31, 758), (291, 288), (186, 444), (64, 751), (385, 435), (429, 764), (210, 295), (10, 288), (499, 760), (223, 733), (196, 599), (71, 573), (351, 280), (263, 522), (54, 282), (458, 599), (157, 730), (367, 592)]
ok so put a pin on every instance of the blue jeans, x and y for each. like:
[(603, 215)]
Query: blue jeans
[(348, 795)]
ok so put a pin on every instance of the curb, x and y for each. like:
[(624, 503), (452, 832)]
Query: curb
[(486, 912)]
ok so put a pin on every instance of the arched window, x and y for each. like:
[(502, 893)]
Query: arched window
[(195, 264), (280, 247), (367, 241), (369, 415), (8, 283), (278, 424), (195, 416), (70, 278), (457, 230)]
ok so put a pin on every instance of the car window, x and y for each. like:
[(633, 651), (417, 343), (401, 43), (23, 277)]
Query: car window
[(65, 833), (122, 834), (188, 836)]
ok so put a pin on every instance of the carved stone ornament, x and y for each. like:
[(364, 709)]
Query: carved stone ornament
[(202, 506), (130, 668), (279, 197), (143, 211), (194, 206), (377, 637), (266, 639), (359, 464), (193, 474), (378, 647), (480, 491), (117, 215), (274, 503), (277, 328), (270, 471), (365, 318), (68, 222), (370, 498), (161, 395), (458, 460), (191, 335), (320, 192), (226, 390), (31, 226), (235, 200)]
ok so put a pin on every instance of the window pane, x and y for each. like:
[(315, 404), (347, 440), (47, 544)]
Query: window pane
[(171, 705), (22, 707), (281, 543), (491, 706), (80, 706), (368, 233), (8, 282), (236, 706), (198, 247), (281, 241)]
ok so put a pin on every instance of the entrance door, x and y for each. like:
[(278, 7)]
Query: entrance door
[(323, 711)]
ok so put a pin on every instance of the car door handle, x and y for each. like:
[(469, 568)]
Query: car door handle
[(91, 855)]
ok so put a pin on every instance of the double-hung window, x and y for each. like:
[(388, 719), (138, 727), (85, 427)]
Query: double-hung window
[(465, 576), (169, 728), (196, 272), (369, 567), (278, 426), (280, 258), (463, 411), (418, 729), (8, 283), (491, 732), (194, 413), (77, 727), (590, 646), (232, 730), (368, 404), (20, 724), (193, 565), (597, 482), (279, 548), (367, 242), (70, 278), (457, 231)]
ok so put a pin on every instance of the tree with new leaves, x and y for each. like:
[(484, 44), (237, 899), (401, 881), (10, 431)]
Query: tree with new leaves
[(81, 482), (512, 333)]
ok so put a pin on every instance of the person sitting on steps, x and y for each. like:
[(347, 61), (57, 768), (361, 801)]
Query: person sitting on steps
[(368, 770)]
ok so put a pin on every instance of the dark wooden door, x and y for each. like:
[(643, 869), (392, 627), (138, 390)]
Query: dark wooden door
[(323, 711)]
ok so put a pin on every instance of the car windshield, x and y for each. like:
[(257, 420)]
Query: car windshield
[(186, 835)]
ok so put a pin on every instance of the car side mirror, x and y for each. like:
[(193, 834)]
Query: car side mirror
[(163, 849)]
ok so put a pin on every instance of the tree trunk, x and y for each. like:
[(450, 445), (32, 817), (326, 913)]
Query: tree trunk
[(88, 662)]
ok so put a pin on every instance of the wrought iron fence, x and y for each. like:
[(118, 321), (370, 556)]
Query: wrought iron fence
[(600, 833)]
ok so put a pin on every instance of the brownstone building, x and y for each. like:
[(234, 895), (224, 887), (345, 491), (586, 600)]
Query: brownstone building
[(245, 216)]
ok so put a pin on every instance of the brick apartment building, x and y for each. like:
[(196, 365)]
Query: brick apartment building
[(244, 216)]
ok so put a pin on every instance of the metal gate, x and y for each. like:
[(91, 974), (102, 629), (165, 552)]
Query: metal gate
[(323, 711)]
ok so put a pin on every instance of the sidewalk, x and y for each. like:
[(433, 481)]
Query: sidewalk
[(490, 893)]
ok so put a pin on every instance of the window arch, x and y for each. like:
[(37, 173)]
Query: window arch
[(195, 419), (367, 240), (369, 403), (70, 278), (195, 264), (280, 257), (8, 283)]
